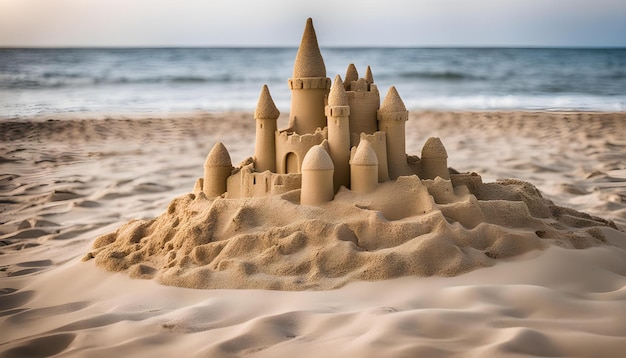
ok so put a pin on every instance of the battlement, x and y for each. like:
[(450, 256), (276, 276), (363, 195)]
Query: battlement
[(292, 147), (337, 111), (393, 116), (309, 83), (248, 183)]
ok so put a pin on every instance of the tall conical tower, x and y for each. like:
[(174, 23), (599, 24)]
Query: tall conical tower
[(338, 112), (392, 116), (309, 85), (266, 115)]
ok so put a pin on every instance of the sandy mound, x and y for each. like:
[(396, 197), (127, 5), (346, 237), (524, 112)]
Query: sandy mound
[(406, 227)]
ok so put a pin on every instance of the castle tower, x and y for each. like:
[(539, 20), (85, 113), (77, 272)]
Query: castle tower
[(379, 144), (266, 115), (364, 101), (309, 85), (338, 112), (364, 169), (434, 160), (392, 116), (217, 169), (317, 177)]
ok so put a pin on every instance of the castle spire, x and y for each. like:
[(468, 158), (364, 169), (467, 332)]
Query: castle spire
[(351, 75), (266, 109), (392, 103), (309, 86), (309, 61), (338, 95), (368, 75)]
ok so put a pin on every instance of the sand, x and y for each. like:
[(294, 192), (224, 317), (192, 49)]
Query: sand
[(66, 182)]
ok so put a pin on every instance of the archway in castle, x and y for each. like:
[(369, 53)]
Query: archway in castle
[(291, 163)]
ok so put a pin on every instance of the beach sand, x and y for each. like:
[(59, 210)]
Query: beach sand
[(67, 179)]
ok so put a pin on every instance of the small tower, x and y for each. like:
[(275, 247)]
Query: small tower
[(317, 177), (309, 85), (351, 75), (266, 115), (392, 116), (368, 75), (338, 112), (434, 160), (364, 101), (217, 169), (364, 169)]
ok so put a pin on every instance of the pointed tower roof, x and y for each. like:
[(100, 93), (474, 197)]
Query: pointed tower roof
[(365, 154), (317, 159), (351, 75), (392, 102), (368, 75), (309, 61), (265, 108), (218, 157), (338, 95), (433, 148)]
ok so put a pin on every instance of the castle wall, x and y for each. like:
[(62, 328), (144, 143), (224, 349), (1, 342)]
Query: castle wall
[(299, 145), (247, 183)]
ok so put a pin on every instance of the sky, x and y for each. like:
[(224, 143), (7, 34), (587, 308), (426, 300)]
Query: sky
[(405, 23)]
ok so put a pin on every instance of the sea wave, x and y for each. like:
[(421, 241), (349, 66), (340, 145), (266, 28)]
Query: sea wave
[(444, 75), (75, 80)]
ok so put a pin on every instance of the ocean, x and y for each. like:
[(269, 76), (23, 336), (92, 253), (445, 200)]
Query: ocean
[(44, 81)]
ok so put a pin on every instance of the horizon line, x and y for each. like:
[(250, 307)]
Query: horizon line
[(359, 47)]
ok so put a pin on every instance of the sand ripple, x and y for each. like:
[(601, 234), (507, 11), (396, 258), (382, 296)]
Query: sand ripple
[(556, 301)]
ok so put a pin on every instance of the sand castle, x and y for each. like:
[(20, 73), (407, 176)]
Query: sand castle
[(333, 199), (338, 136)]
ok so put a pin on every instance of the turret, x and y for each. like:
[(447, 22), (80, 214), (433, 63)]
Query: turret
[(266, 115), (317, 177), (368, 75), (351, 75), (364, 101), (309, 85), (434, 160), (364, 169), (392, 116), (338, 112), (217, 169)]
